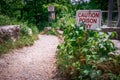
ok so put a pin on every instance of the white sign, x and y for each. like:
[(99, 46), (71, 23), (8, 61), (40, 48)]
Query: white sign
[(90, 18), (50, 8)]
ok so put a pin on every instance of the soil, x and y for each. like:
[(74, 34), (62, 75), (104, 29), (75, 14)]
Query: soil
[(37, 62)]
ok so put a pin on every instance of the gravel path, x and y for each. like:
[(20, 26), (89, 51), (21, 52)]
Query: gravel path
[(31, 63)]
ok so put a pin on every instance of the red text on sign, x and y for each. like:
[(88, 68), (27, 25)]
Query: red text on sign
[(88, 20), (88, 14)]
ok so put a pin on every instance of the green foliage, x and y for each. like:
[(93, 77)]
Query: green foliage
[(81, 51), (24, 41), (26, 28), (95, 4), (33, 28), (60, 9), (52, 32), (11, 7), (4, 20), (103, 5), (110, 69), (6, 46), (28, 34), (41, 25), (33, 11), (9, 44), (63, 22)]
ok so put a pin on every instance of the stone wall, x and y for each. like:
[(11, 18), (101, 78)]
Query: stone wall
[(9, 32), (112, 29)]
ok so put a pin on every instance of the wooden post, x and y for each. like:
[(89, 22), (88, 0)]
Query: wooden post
[(118, 22), (110, 9), (51, 14)]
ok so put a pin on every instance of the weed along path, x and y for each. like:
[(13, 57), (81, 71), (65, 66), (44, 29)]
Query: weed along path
[(36, 62)]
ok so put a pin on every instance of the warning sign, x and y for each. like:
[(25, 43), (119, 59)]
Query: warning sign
[(51, 8), (90, 18)]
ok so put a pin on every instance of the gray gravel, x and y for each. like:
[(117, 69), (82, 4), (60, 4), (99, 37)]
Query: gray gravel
[(31, 63), (117, 45)]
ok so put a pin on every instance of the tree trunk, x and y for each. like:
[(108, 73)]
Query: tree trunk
[(35, 7), (110, 9), (118, 22)]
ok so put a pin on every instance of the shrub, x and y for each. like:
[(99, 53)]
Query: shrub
[(34, 28), (43, 24), (24, 41), (4, 20), (6, 46), (63, 22), (81, 52)]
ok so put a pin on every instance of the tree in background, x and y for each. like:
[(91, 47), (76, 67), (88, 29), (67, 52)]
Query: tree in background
[(110, 10), (11, 7), (35, 12), (118, 22)]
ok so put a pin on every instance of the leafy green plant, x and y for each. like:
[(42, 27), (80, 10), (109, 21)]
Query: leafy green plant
[(6, 46), (33, 28), (24, 41), (4, 20), (52, 32), (81, 51)]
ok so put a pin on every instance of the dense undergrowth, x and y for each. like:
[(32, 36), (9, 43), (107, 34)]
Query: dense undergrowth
[(84, 54), (25, 38)]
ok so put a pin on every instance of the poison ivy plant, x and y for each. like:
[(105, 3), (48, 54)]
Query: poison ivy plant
[(81, 51)]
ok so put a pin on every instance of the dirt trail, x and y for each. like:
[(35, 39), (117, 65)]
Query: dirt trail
[(31, 63)]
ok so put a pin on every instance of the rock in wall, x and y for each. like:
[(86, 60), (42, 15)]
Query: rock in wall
[(9, 32), (113, 29)]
